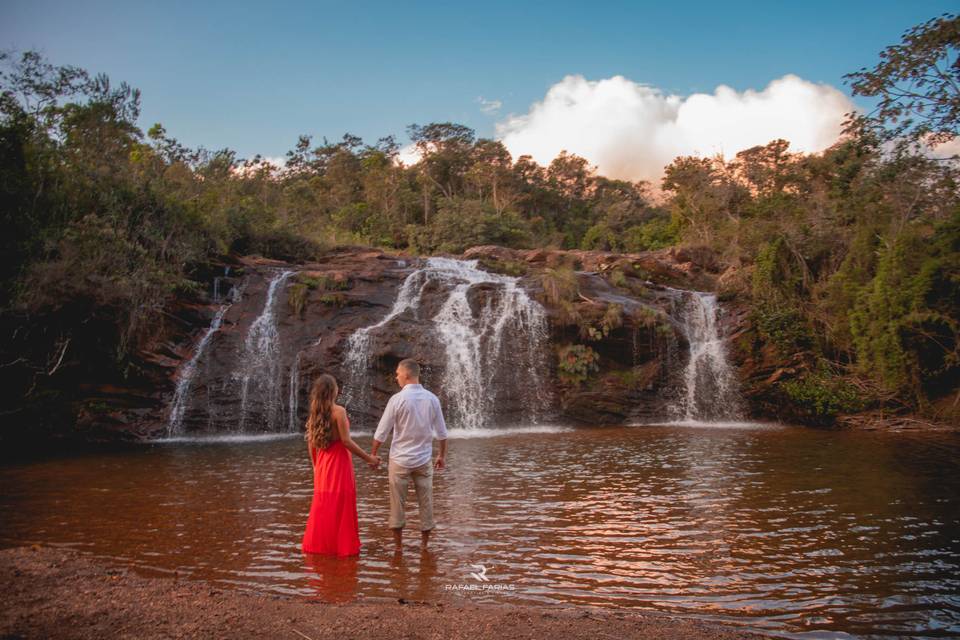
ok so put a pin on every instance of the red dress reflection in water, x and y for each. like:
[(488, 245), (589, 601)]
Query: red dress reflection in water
[(332, 526), (335, 578)]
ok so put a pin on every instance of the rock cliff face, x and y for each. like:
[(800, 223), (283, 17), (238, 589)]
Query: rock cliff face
[(612, 347), (618, 309)]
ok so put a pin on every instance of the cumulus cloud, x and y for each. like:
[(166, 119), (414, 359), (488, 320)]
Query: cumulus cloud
[(632, 131), (947, 149), (409, 155)]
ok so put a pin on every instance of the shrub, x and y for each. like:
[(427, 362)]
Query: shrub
[(822, 395), (600, 237), (612, 319), (576, 362), (297, 297), (332, 299), (656, 233), (559, 285), (617, 278), (783, 326), (323, 282), (513, 268)]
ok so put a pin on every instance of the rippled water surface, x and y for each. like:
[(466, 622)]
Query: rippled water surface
[(775, 528)]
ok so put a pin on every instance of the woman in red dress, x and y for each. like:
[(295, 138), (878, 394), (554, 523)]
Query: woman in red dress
[(332, 526)]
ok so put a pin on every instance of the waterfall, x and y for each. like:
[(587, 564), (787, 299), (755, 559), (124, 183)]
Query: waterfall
[(500, 347), (293, 402), (181, 397), (261, 362), (474, 345), (216, 283), (710, 390), (358, 352)]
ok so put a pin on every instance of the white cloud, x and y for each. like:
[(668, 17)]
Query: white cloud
[(633, 131), (946, 149), (409, 155), (489, 106), (277, 164)]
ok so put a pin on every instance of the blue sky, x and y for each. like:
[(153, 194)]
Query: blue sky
[(253, 76)]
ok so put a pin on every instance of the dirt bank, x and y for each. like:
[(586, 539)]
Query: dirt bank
[(57, 593)]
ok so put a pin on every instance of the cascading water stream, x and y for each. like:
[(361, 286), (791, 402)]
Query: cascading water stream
[(358, 354), (293, 401), (216, 284), (710, 392), (181, 397), (261, 363), (496, 349)]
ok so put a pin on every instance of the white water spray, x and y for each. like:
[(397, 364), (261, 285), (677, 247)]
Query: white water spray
[(710, 390), (261, 362)]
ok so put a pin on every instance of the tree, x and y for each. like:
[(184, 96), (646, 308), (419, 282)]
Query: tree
[(445, 150), (918, 84), (767, 168), (491, 174), (701, 194)]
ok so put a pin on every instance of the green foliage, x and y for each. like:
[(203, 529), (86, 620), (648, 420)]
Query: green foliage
[(916, 83), (905, 322), (600, 237), (323, 282), (617, 278), (822, 395), (784, 326), (657, 233), (576, 362), (646, 316), (461, 223), (297, 294), (310, 282), (333, 299), (664, 329), (612, 319), (559, 284), (513, 268), (775, 276)]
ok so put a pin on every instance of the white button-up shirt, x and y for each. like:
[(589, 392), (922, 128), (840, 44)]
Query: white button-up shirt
[(415, 418)]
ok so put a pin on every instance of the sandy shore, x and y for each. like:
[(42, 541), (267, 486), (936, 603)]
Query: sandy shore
[(57, 593)]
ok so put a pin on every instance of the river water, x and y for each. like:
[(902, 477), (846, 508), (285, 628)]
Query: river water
[(781, 529)]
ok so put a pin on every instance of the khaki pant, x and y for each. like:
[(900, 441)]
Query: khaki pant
[(399, 479)]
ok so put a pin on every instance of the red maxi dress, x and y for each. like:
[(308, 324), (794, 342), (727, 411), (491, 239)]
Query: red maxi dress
[(332, 526)]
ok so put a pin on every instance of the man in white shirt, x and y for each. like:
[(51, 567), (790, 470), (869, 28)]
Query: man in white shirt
[(415, 418)]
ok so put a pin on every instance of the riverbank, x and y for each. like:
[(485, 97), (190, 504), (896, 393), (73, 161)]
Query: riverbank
[(59, 593)]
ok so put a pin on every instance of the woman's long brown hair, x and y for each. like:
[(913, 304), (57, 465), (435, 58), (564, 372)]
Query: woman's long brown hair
[(323, 393)]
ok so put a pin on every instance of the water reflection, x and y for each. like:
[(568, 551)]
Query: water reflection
[(780, 529), (335, 578)]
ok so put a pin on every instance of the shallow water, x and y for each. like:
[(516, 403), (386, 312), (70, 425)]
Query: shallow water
[(775, 528)]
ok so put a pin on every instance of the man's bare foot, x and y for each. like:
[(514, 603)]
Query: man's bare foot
[(398, 536)]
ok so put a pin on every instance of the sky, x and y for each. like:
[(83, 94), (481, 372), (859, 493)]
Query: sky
[(629, 85)]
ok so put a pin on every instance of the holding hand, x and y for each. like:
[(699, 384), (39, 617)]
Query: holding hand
[(374, 462)]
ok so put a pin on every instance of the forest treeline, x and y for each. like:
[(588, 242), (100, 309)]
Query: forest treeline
[(848, 257)]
